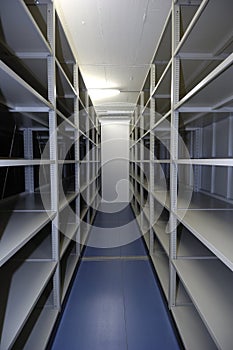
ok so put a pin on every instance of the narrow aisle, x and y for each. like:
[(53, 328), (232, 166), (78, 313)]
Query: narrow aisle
[(115, 302)]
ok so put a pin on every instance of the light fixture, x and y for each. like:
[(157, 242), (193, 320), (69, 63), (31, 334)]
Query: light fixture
[(98, 94)]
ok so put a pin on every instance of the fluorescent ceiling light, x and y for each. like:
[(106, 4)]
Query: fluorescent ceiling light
[(98, 94)]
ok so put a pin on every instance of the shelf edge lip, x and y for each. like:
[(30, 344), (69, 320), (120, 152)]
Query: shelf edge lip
[(24, 162), (208, 161)]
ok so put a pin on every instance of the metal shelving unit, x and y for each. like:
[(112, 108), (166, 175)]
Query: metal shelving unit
[(47, 117), (189, 146)]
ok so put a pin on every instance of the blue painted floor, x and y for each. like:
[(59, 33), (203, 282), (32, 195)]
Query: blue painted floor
[(115, 302)]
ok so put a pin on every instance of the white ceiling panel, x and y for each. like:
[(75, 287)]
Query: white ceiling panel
[(115, 41), (126, 78)]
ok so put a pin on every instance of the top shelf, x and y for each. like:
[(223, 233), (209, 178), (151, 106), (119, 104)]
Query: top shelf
[(199, 37), (26, 37), (163, 52)]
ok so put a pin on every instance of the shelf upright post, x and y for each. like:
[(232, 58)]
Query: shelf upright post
[(136, 157), (54, 171), (174, 152), (134, 160), (141, 150), (197, 154), (230, 154), (152, 172), (28, 154), (213, 168), (87, 126), (96, 161), (76, 158)]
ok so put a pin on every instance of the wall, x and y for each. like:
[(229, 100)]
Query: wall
[(115, 159)]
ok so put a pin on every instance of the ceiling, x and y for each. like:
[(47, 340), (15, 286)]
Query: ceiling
[(114, 41)]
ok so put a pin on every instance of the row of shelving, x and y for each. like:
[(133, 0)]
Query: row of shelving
[(49, 166), (181, 169)]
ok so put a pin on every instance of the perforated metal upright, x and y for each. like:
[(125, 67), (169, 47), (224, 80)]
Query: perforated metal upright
[(28, 154), (54, 171), (141, 156), (87, 158), (152, 172), (76, 157), (174, 152)]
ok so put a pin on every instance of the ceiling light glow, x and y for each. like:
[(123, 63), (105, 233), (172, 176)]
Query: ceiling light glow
[(98, 94)]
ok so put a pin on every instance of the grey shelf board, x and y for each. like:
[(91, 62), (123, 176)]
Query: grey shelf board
[(18, 95), (213, 228), (190, 200), (68, 121), (160, 231), (162, 52), (83, 212), (41, 332), (160, 261), (86, 185), (137, 196), (71, 264), (67, 162), (191, 328), (145, 227), (26, 37), (94, 197), (211, 161), (68, 236), (17, 229), (163, 197), (67, 53), (84, 234), (163, 86), (146, 211), (66, 199), (161, 161), (66, 85), (147, 238), (214, 91), (24, 162), (182, 297), (211, 292), (21, 299), (188, 246), (26, 202), (204, 21)]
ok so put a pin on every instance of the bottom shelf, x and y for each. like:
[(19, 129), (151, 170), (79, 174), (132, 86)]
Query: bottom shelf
[(22, 288), (160, 262), (211, 292), (41, 332), (37, 330), (191, 328), (68, 268)]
